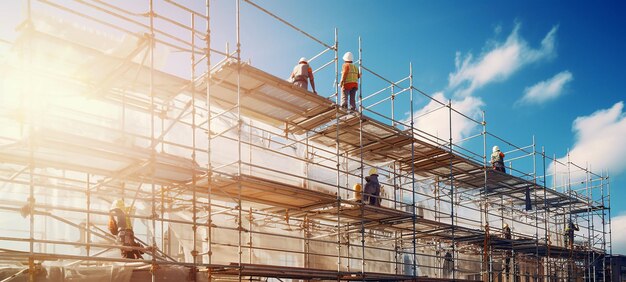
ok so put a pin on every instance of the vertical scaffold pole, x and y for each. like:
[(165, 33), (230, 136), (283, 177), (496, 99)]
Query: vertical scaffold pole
[(483, 199), (209, 173), (393, 105), (194, 212), (603, 219), (338, 165), (414, 218), (361, 157), (546, 211), (152, 151), (537, 258), (452, 215), (603, 226), (239, 129), (88, 224), (589, 267), (569, 213), (31, 165), (608, 183)]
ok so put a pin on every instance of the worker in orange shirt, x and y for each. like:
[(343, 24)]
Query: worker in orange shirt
[(349, 81), (301, 74)]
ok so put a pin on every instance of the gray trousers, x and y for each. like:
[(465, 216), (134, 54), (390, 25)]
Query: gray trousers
[(344, 98)]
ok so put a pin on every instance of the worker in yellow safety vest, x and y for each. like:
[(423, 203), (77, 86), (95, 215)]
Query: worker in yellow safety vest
[(358, 189), (569, 234), (349, 81), (120, 224)]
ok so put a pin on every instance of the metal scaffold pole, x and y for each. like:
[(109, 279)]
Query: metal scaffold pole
[(153, 215), (413, 215), (338, 160), (536, 213), (194, 209), (209, 169), (452, 194), (546, 213), (362, 219), (239, 132), (603, 220), (484, 200)]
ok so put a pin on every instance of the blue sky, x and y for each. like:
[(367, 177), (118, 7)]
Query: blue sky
[(552, 69)]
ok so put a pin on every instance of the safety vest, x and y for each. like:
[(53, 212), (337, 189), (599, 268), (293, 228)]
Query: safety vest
[(496, 158), (123, 219), (353, 74), (129, 221), (301, 72)]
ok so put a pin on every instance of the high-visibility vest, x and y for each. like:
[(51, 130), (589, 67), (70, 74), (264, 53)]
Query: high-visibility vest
[(129, 221), (353, 74), (496, 159), (357, 191)]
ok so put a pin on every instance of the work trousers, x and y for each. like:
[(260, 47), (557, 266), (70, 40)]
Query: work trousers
[(344, 98)]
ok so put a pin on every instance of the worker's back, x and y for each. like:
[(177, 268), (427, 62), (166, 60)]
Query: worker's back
[(301, 72)]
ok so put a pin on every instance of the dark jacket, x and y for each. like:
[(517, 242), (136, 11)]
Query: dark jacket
[(372, 190)]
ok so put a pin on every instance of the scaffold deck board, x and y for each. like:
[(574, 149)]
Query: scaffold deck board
[(380, 142), (499, 183), (264, 191), (313, 203), (290, 272), (354, 211), (63, 150), (269, 98)]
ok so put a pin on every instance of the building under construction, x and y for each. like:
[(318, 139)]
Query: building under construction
[(233, 173)]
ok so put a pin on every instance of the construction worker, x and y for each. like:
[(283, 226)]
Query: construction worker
[(448, 264), (120, 224), (569, 234), (301, 74), (358, 190), (506, 233), (372, 188), (497, 159), (349, 81)]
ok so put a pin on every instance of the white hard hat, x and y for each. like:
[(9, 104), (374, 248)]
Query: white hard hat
[(303, 59), (506, 225), (347, 56), (496, 148), (118, 204)]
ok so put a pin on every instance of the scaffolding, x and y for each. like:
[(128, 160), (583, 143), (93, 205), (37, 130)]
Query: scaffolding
[(234, 173)]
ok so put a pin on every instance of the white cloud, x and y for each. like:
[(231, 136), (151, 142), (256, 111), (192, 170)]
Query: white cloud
[(499, 63), (618, 226), (547, 90), (436, 122), (600, 139)]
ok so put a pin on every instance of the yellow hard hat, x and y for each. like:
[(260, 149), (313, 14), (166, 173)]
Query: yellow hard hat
[(373, 171), (357, 187), (118, 204), (506, 225)]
